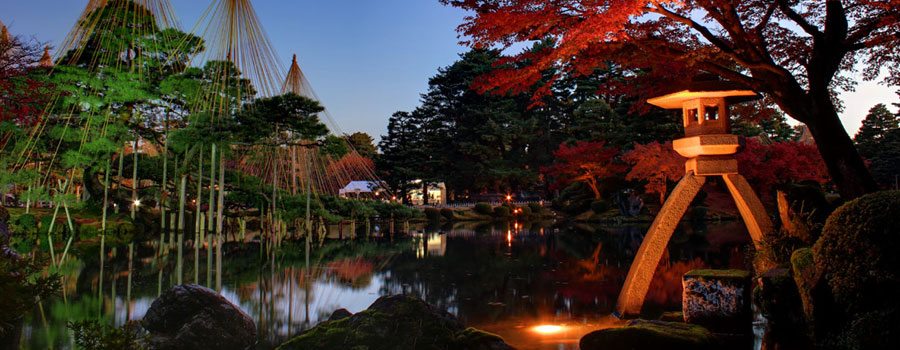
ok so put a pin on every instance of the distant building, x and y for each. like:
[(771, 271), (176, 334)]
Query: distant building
[(437, 193), (804, 136), (362, 189)]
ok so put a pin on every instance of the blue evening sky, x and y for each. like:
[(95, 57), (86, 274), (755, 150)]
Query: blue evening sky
[(365, 58)]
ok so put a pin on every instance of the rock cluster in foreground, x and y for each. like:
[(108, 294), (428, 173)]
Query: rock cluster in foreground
[(396, 322)]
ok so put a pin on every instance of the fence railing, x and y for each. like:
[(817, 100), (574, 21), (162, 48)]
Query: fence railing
[(472, 204)]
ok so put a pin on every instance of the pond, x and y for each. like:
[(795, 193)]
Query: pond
[(538, 285)]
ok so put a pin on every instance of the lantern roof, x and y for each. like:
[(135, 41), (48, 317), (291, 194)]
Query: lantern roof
[(704, 86)]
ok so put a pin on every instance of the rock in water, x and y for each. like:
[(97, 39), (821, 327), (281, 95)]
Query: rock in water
[(718, 300), (194, 317), (643, 334), (396, 322)]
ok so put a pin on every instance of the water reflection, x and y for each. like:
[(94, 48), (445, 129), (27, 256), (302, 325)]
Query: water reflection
[(538, 286)]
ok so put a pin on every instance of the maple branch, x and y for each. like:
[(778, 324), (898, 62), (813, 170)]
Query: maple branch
[(797, 18), (764, 21), (705, 32)]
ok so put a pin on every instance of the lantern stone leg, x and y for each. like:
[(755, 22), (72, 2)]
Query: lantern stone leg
[(709, 147), (631, 299), (751, 208)]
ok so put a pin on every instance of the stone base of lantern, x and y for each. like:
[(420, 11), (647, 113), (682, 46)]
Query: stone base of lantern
[(711, 166), (718, 300)]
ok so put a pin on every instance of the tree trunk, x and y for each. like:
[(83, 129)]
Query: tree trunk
[(595, 188), (846, 168)]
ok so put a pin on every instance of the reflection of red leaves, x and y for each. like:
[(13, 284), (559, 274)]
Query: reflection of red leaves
[(666, 287), (351, 270)]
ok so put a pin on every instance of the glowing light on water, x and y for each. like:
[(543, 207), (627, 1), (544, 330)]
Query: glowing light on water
[(548, 329)]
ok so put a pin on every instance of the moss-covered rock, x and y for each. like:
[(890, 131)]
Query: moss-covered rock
[(805, 278), (396, 322), (643, 334), (858, 253)]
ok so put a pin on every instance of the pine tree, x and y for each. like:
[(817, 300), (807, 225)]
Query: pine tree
[(878, 123)]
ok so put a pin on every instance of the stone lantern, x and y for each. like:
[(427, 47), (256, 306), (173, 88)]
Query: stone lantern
[(710, 148)]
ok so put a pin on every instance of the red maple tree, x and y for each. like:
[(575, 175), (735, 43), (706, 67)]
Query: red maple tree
[(584, 161), (768, 165), (658, 164), (796, 52), (23, 95)]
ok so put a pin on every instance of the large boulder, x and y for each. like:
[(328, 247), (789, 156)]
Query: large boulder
[(642, 334), (396, 322), (194, 317)]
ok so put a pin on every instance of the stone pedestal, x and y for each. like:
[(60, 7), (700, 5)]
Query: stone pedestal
[(718, 300)]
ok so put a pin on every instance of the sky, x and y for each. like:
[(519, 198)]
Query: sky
[(366, 59)]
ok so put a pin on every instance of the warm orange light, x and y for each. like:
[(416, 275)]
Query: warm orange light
[(508, 197), (548, 329)]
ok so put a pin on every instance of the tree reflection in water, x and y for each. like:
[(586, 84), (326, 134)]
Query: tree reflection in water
[(506, 279)]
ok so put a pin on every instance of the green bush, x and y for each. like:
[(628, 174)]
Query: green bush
[(25, 224), (88, 231), (501, 212), (447, 213), (484, 209), (858, 253), (94, 335), (536, 208), (433, 214), (600, 206)]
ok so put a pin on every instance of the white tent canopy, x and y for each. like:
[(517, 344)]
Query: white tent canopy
[(360, 187)]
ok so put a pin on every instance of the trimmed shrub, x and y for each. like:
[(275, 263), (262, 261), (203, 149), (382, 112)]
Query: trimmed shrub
[(600, 206), (433, 214), (484, 209), (447, 213), (857, 253), (536, 208), (501, 212)]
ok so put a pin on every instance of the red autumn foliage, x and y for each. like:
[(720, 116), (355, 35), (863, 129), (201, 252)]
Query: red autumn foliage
[(587, 162), (22, 96), (658, 164), (768, 165), (794, 52)]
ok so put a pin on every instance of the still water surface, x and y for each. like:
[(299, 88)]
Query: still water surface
[(539, 286)]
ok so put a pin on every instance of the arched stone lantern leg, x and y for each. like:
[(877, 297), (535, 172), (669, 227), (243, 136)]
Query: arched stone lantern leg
[(710, 148)]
